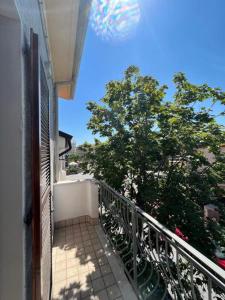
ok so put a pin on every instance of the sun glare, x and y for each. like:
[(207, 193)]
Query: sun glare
[(115, 19)]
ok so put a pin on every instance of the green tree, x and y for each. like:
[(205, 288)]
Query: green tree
[(153, 149), (72, 157)]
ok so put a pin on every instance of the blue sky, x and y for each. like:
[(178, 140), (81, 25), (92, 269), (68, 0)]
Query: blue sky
[(172, 36)]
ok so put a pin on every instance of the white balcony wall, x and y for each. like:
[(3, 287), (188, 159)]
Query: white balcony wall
[(74, 199), (12, 258)]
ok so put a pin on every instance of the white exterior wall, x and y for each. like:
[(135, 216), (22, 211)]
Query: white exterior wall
[(16, 19), (74, 199), (61, 161), (11, 162), (30, 16), (61, 144)]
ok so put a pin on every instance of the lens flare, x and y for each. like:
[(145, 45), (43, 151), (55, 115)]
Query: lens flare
[(115, 19)]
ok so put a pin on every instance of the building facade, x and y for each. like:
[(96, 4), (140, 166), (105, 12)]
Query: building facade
[(40, 51)]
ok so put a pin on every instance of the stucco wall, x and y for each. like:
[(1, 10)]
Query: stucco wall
[(11, 162), (30, 16), (17, 17), (75, 199)]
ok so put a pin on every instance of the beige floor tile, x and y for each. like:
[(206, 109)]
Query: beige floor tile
[(84, 233), (83, 269), (76, 232), (102, 260), (96, 274), (83, 259), (60, 251), (90, 229), (91, 297), (94, 238), (70, 231), (80, 251), (96, 246), (72, 295), (92, 234), (70, 239), (59, 266), (102, 295), (109, 279), (98, 284), (73, 282), (114, 292), (60, 236), (94, 262), (85, 237), (77, 235), (79, 246), (84, 278), (83, 224), (105, 269), (100, 252), (60, 243), (60, 258), (72, 271), (86, 290), (73, 262), (59, 276), (80, 267), (58, 290), (88, 249), (71, 254), (91, 256), (87, 243), (91, 268), (69, 245)]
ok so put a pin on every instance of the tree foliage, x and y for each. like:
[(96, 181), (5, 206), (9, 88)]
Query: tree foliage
[(72, 157), (153, 149)]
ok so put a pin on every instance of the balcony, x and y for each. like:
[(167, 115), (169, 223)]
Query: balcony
[(107, 248)]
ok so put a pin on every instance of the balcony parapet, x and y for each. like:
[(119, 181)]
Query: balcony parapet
[(75, 202), (157, 262)]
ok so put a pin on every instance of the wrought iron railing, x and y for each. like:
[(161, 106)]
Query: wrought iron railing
[(158, 263)]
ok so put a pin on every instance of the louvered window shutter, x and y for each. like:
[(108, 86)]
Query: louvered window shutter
[(41, 187)]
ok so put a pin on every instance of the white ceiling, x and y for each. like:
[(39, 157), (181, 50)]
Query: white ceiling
[(8, 9), (66, 22)]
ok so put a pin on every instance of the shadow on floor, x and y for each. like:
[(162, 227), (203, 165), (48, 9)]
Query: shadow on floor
[(80, 266)]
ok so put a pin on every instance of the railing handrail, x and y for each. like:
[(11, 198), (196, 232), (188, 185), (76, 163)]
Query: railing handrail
[(192, 254)]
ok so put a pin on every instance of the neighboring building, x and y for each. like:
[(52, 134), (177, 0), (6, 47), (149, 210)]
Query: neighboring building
[(211, 158), (64, 146), (211, 212), (50, 247), (73, 149), (40, 52), (209, 155), (76, 150), (79, 151)]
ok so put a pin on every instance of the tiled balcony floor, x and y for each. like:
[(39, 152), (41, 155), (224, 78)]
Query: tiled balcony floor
[(81, 268)]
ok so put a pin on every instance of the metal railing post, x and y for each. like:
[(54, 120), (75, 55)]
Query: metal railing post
[(134, 236), (100, 201)]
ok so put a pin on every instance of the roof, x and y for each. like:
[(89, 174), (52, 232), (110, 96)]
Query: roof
[(65, 135), (67, 147)]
